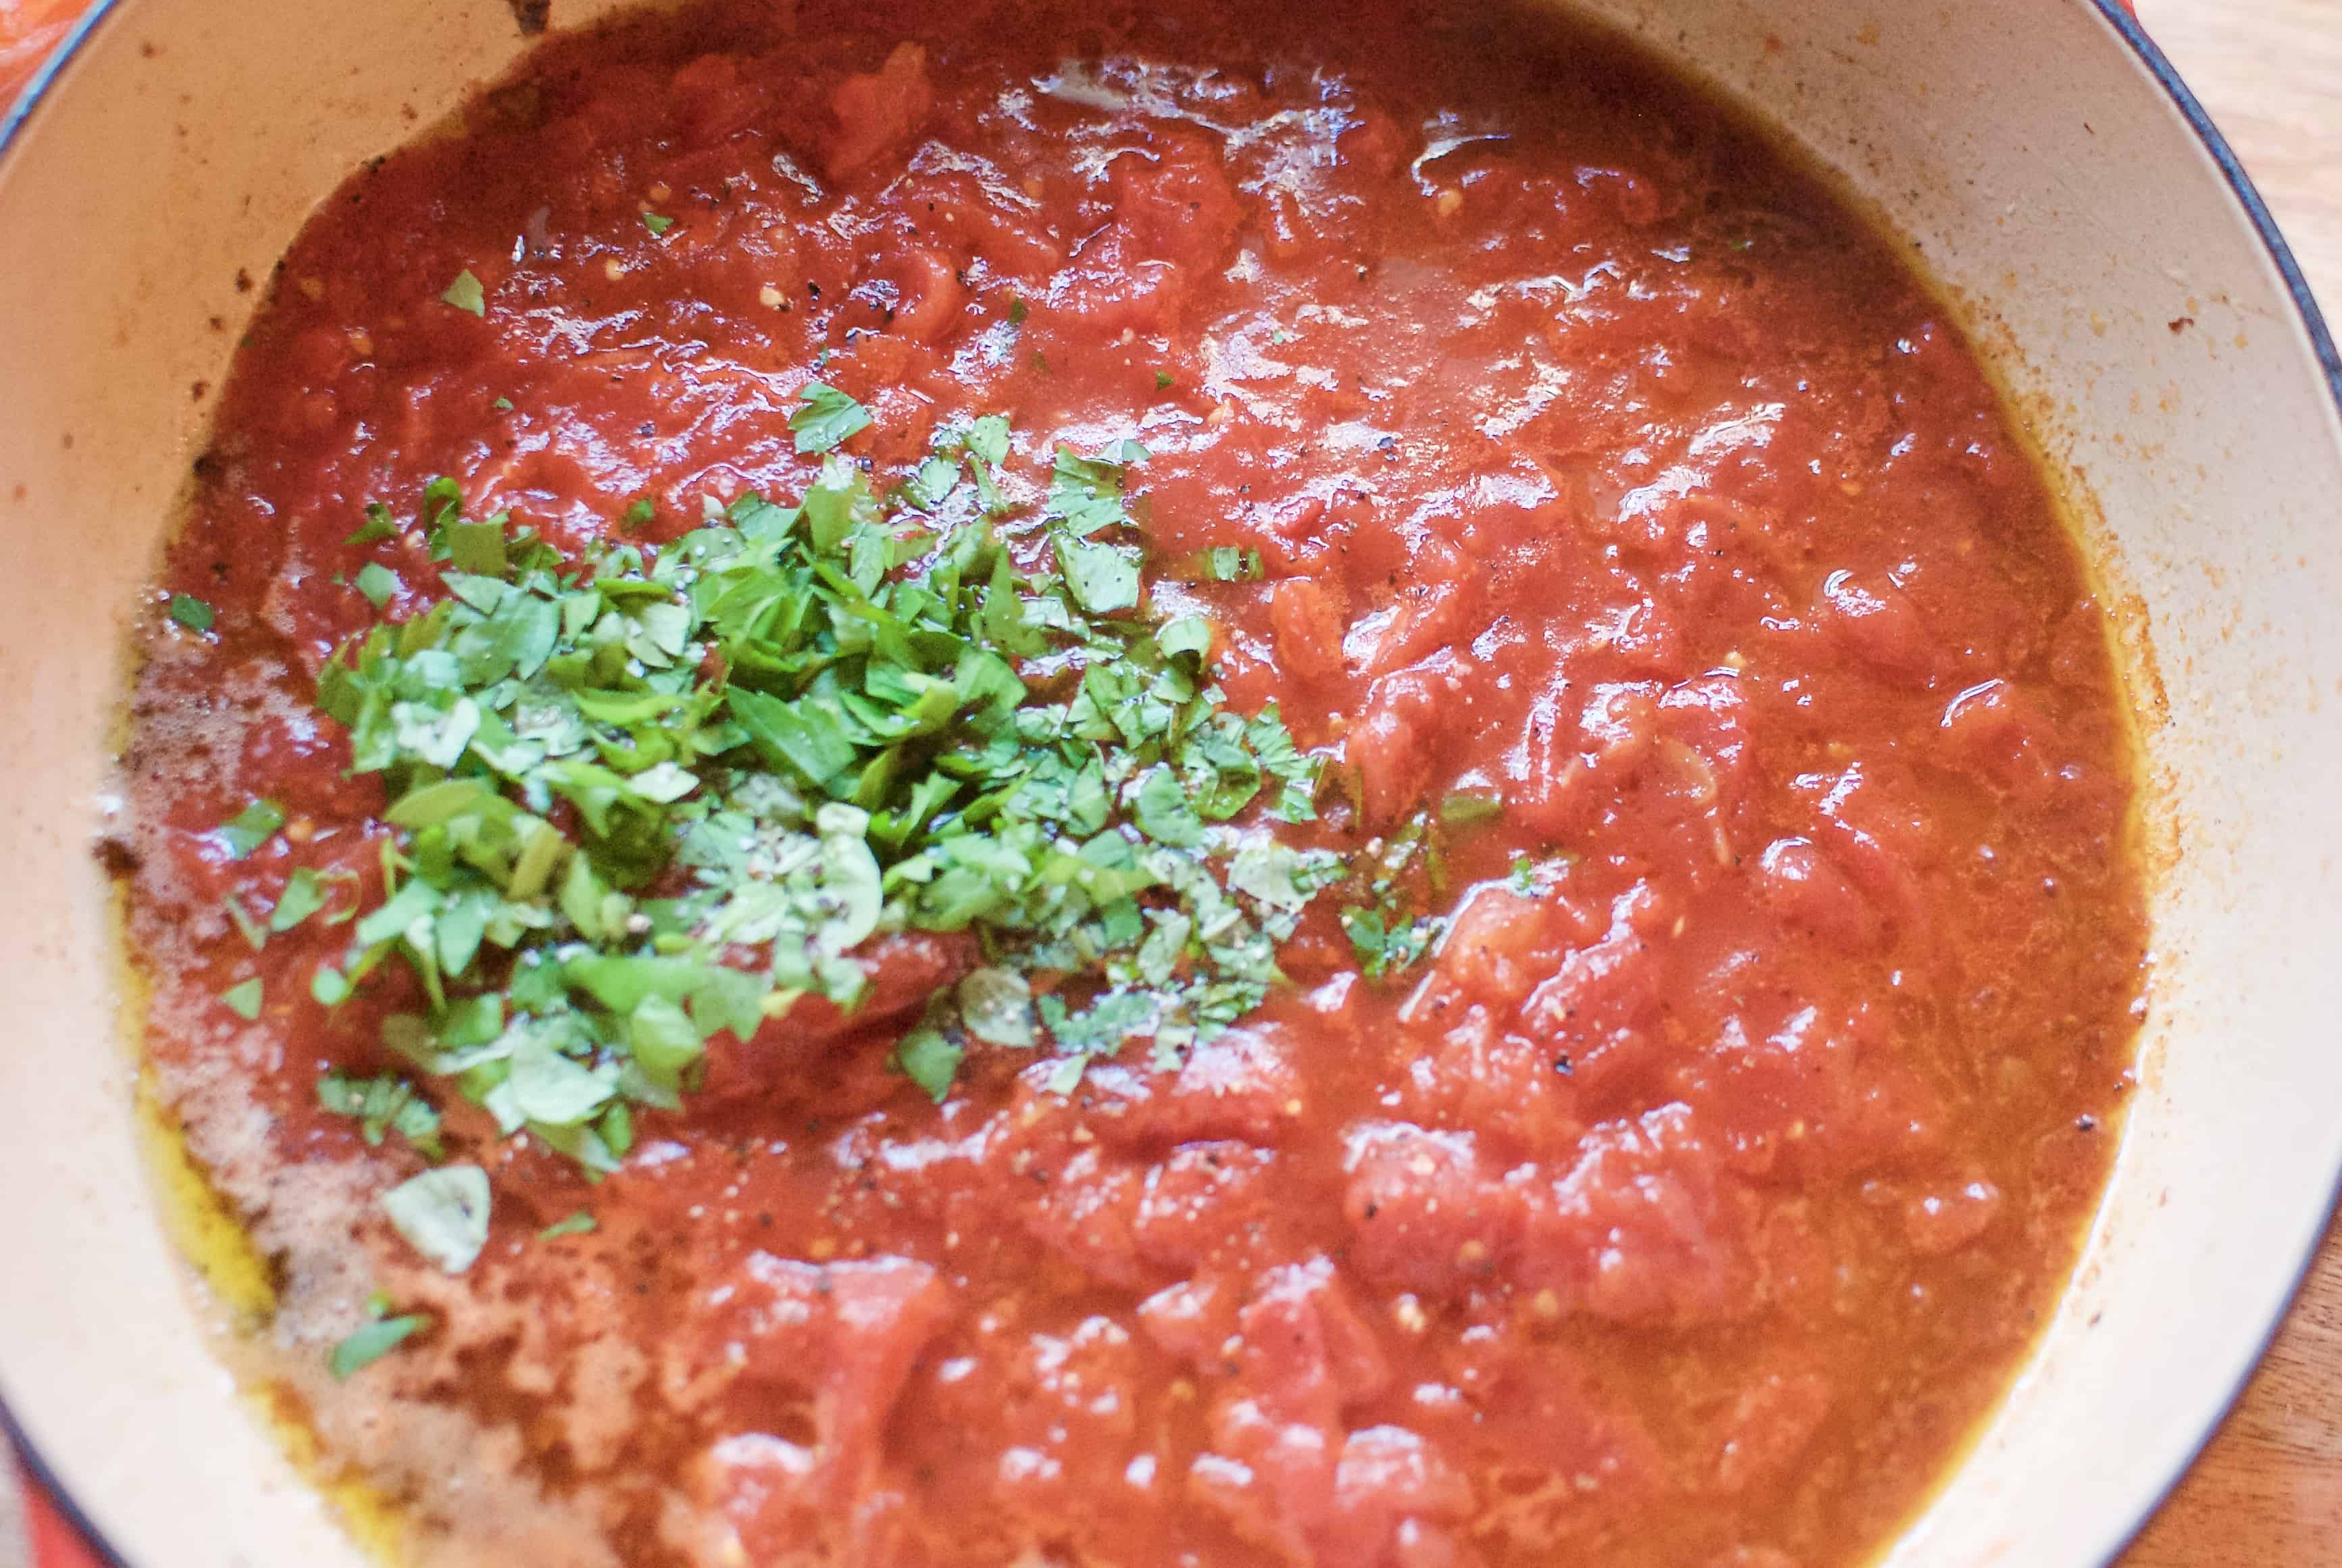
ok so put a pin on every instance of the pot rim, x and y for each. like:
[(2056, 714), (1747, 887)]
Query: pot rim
[(2117, 16)]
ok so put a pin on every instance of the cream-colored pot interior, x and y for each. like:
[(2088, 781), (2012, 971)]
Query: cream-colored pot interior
[(2026, 148)]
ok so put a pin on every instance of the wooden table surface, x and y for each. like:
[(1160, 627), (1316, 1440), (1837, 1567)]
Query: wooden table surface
[(2268, 1493)]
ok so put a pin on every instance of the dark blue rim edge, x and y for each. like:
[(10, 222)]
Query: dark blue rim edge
[(2321, 341)]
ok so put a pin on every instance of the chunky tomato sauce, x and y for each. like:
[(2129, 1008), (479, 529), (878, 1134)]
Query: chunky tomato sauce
[(1629, 521)]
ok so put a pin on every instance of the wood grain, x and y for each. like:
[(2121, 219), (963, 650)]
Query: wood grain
[(2268, 1493)]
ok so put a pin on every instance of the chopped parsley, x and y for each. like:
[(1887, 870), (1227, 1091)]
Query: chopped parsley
[(658, 224), (646, 796), (827, 418), (192, 613), (577, 1224), (465, 293)]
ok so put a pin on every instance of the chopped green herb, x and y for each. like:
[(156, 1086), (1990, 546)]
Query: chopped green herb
[(377, 525), (827, 418), (996, 1006), (1162, 381), (383, 1105), (372, 1341), (442, 1214), (1383, 948), (254, 935), (1018, 311), (794, 728), (1398, 874), (192, 613), (502, 405), (476, 548), (657, 225), (1220, 564), (1086, 493), (378, 582), (253, 827), (639, 514), (1103, 577), (929, 1058), (577, 1224), (243, 999), (1298, 774), (465, 293), (1468, 806)]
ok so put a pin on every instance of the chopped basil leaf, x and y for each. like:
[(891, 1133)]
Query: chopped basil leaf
[(303, 896), (1086, 493), (997, 1005), (443, 1214), (646, 796), (657, 225), (476, 548), (243, 999), (377, 525), (465, 293), (383, 1105), (1162, 381), (929, 1059), (192, 613), (1384, 935), (827, 418), (577, 1224), (372, 1341), (1103, 577), (378, 582), (253, 827), (1018, 311), (1220, 564), (254, 935), (1466, 806), (1384, 948), (502, 405)]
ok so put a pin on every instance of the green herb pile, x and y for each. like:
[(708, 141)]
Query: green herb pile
[(650, 795)]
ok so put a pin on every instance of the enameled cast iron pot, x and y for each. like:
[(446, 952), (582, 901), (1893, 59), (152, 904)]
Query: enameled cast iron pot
[(2041, 159)]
